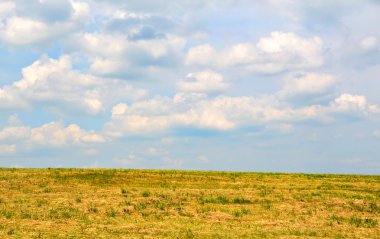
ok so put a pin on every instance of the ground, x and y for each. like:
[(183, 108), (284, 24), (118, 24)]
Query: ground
[(110, 203)]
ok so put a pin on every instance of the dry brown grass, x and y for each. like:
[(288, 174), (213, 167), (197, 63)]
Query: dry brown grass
[(75, 203)]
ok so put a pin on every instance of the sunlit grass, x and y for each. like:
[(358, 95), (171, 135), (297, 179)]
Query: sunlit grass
[(85, 203)]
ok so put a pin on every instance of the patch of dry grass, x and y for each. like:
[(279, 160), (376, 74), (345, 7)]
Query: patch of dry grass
[(76, 203)]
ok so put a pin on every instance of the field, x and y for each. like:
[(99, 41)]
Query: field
[(86, 203)]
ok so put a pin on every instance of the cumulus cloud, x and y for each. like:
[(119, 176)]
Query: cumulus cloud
[(306, 88), (203, 81), (51, 134), (54, 83), (6, 7), (116, 55), (15, 133), (310, 83), (223, 113), (279, 52), (346, 102), (203, 55), (40, 22)]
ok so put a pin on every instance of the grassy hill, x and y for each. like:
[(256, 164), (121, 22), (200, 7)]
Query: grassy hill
[(86, 203)]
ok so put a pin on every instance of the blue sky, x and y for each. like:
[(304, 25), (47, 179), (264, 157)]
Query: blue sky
[(284, 86)]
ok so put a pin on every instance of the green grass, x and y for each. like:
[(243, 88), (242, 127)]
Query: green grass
[(87, 203)]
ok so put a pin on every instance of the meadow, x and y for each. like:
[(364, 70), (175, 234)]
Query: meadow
[(115, 203)]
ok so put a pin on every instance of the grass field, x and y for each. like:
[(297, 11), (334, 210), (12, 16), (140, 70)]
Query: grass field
[(85, 203)]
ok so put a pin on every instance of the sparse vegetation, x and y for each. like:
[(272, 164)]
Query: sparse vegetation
[(84, 203)]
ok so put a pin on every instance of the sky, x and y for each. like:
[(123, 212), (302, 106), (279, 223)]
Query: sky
[(237, 85)]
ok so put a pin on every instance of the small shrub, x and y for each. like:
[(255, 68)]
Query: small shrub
[(124, 191), (11, 232), (187, 234), (266, 205), (47, 190), (25, 215), (7, 214), (41, 202), (245, 211), (222, 200), (368, 222), (314, 194), (263, 192), (66, 214), (372, 207), (145, 214), (237, 213), (111, 213), (145, 194), (78, 200), (93, 209), (337, 219), (356, 221), (241, 201), (159, 205), (141, 206)]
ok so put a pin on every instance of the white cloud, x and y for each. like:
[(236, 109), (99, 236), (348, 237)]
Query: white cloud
[(6, 6), (55, 134), (21, 31), (346, 102), (279, 52), (376, 133), (15, 132), (55, 84), (308, 85), (39, 23), (369, 43), (203, 55), (7, 148), (50, 134), (116, 54), (224, 113), (203, 81)]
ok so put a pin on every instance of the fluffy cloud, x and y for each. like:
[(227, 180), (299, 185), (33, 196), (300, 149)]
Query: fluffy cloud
[(50, 134), (279, 52), (116, 55), (39, 22), (54, 83), (14, 133), (306, 88), (202, 55), (55, 134), (224, 113), (347, 102), (204, 81), (6, 7)]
